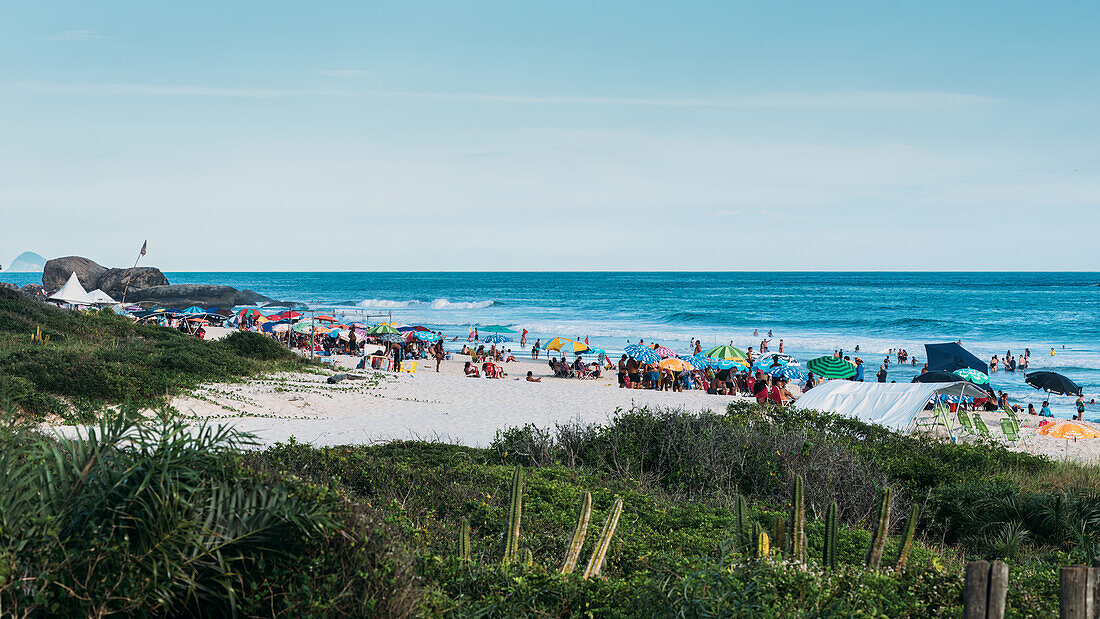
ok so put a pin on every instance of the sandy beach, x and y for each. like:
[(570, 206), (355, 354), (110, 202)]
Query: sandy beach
[(449, 407), (426, 405)]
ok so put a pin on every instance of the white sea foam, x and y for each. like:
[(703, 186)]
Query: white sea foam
[(384, 304), (444, 304)]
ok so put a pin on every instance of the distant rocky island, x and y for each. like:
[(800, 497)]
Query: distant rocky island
[(137, 284), (26, 262)]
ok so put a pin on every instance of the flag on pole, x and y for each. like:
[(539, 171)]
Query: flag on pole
[(144, 246)]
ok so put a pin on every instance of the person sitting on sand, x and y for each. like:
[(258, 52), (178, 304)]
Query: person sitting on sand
[(471, 370), (1045, 411), (1031, 409), (509, 357), (531, 378), (760, 387)]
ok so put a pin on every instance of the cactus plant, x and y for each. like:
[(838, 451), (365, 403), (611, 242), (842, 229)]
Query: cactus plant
[(574, 551), (828, 552), (464, 541), (515, 512), (907, 537), (779, 534), (595, 562), (881, 531), (797, 529), (763, 545), (741, 524)]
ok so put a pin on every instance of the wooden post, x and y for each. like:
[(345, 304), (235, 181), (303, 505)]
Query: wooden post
[(976, 595), (1079, 592), (986, 590)]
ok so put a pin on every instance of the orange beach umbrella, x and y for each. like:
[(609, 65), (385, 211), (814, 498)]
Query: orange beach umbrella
[(1069, 429)]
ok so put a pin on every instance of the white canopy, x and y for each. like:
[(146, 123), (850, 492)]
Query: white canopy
[(894, 405), (72, 292), (100, 297)]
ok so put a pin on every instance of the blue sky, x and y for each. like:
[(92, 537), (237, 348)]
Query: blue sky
[(565, 135)]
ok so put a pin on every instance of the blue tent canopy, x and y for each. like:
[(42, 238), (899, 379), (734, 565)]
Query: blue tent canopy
[(950, 357)]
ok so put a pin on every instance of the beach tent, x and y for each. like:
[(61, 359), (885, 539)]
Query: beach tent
[(72, 293), (950, 357), (101, 298), (894, 405)]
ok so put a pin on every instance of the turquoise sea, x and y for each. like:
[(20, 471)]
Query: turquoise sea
[(814, 313)]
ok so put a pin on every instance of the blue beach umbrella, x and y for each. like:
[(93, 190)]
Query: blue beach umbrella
[(725, 364), (699, 361), (642, 354), (789, 372), (495, 339), (426, 336)]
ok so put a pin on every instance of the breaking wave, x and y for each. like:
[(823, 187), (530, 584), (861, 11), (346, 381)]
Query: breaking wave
[(437, 304)]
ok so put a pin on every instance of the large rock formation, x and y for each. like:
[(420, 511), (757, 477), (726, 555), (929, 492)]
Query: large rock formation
[(26, 262), (143, 284), (57, 271), (203, 295), (114, 281)]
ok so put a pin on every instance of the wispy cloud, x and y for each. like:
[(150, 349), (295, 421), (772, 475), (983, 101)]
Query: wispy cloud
[(74, 35), (856, 100), (343, 72), (144, 90)]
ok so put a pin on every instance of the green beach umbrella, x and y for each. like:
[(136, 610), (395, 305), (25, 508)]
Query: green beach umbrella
[(725, 352), (493, 329), (831, 367), (972, 375), (380, 329)]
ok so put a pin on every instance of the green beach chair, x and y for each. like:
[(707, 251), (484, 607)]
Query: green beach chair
[(943, 419), (1010, 430), (964, 421), (983, 429)]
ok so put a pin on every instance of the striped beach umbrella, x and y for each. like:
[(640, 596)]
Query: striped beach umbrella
[(972, 375), (381, 329), (566, 345), (725, 352), (664, 352), (642, 354), (831, 367)]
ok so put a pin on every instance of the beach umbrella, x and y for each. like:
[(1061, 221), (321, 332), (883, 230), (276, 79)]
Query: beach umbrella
[(664, 352), (972, 375), (831, 367), (642, 354), (729, 364), (699, 362), (493, 329), (393, 338), (249, 313), (725, 352), (280, 328), (789, 372), (936, 376), (324, 318), (766, 362), (425, 336), (496, 339), (1053, 382), (566, 345), (1070, 429), (194, 309), (380, 329), (675, 365)]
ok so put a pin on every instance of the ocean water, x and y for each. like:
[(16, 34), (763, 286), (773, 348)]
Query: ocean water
[(814, 313)]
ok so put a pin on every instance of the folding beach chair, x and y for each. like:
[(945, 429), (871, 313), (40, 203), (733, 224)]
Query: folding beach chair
[(1010, 430), (983, 429), (964, 420), (409, 366), (943, 419)]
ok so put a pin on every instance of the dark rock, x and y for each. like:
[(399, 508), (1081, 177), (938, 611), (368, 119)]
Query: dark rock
[(114, 281), (335, 378), (202, 295), (57, 271), (8, 286), (33, 290)]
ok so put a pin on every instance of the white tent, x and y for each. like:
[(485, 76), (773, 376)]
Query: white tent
[(101, 298), (72, 293), (894, 405)]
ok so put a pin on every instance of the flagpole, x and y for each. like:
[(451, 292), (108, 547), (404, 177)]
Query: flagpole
[(126, 288)]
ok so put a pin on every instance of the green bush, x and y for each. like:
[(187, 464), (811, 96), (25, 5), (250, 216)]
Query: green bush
[(255, 346)]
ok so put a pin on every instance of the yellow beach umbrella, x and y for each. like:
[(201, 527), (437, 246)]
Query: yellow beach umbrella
[(675, 364), (566, 345), (1069, 429)]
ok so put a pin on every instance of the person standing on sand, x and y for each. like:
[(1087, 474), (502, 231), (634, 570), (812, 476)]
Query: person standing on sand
[(438, 354)]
